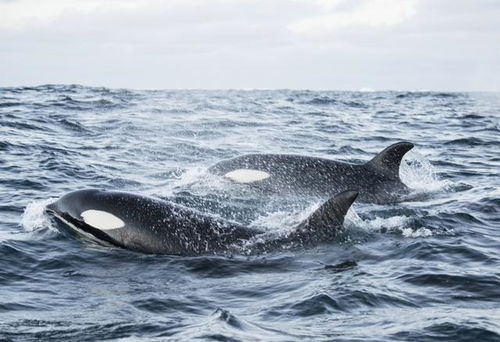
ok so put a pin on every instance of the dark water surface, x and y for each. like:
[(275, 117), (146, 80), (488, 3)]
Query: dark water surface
[(425, 269)]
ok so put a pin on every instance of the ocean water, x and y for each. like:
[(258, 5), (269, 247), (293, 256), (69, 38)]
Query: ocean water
[(426, 269)]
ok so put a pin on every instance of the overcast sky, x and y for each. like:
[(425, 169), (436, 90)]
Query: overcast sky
[(305, 44)]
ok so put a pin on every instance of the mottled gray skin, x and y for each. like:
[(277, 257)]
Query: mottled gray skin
[(160, 227), (377, 181)]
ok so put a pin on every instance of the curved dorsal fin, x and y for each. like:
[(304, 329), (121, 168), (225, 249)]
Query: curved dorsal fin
[(332, 212), (387, 162)]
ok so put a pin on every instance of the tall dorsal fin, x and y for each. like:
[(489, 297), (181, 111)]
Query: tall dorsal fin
[(331, 213), (387, 162)]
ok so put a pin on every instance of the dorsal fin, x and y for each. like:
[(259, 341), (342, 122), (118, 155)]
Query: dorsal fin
[(331, 213), (321, 226), (387, 162)]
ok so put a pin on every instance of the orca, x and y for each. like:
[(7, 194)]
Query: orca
[(377, 181), (154, 226)]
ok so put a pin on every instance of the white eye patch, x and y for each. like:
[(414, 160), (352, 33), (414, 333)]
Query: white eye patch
[(102, 220), (247, 175)]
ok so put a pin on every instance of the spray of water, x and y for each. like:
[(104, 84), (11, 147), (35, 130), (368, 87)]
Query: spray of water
[(418, 173), (34, 216), (396, 224), (282, 222)]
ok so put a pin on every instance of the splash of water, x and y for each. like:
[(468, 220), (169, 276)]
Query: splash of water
[(34, 217), (398, 224), (418, 173), (200, 180), (192, 176), (282, 222)]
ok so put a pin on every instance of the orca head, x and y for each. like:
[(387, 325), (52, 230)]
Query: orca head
[(85, 208), (73, 203)]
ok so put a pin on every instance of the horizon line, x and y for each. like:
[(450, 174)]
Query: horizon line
[(360, 90)]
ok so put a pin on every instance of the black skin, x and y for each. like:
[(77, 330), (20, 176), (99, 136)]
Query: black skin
[(160, 227), (377, 181)]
